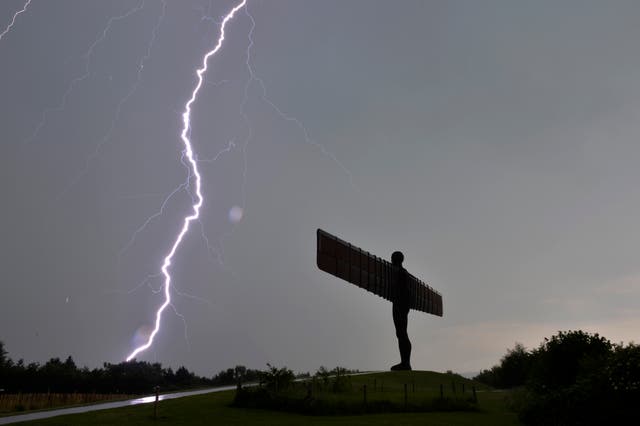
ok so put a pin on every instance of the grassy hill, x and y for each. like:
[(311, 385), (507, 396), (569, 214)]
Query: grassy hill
[(340, 394)]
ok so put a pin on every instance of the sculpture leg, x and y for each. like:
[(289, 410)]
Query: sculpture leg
[(401, 320)]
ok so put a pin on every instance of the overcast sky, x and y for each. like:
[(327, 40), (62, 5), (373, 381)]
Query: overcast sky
[(495, 143)]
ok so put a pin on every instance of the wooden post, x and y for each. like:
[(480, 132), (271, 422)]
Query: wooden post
[(413, 386), (375, 385), (155, 404), (475, 397), (405, 395), (463, 388), (441, 391), (453, 387), (364, 391)]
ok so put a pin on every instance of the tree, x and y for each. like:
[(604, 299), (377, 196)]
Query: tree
[(567, 385), (562, 359), (3, 355), (277, 379), (512, 371), (623, 371), (514, 367), (184, 377)]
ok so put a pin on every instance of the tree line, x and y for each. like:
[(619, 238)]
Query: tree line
[(134, 377), (572, 378)]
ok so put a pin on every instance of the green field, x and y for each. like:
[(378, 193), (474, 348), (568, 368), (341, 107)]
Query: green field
[(214, 408)]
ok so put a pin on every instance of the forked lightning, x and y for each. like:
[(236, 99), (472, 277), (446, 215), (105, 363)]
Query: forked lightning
[(189, 155)]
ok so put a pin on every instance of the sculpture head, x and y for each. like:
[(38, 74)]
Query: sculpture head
[(397, 258)]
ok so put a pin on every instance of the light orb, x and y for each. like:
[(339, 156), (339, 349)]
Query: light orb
[(235, 214)]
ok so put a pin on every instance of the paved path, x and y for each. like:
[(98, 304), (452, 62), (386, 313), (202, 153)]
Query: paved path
[(104, 406)]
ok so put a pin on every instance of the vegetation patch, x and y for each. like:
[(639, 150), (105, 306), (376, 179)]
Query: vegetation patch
[(572, 378), (335, 392)]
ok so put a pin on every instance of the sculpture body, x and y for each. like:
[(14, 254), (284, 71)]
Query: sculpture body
[(388, 280)]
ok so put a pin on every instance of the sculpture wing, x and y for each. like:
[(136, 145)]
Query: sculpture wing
[(374, 274)]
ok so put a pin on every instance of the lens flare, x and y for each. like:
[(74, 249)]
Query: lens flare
[(235, 214)]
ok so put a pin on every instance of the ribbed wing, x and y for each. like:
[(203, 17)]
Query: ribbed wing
[(374, 274)]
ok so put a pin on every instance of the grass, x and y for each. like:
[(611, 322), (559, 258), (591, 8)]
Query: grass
[(214, 409), (371, 393)]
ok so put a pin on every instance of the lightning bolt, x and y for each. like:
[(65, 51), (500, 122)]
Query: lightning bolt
[(13, 20), (189, 155)]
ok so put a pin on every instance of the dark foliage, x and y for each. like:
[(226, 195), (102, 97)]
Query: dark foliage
[(573, 378), (567, 356), (336, 380), (134, 377), (232, 376), (276, 379), (512, 371)]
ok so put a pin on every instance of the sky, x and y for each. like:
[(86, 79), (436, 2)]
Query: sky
[(494, 143)]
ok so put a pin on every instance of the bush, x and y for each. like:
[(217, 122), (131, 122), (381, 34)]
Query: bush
[(335, 380), (512, 371), (577, 378), (573, 378), (276, 379), (623, 371), (566, 358)]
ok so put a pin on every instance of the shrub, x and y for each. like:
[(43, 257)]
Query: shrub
[(567, 357), (276, 379), (512, 371), (579, 378)]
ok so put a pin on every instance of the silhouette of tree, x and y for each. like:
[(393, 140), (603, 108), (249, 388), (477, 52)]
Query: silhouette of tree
[(3, 355), (560, 360), (572, 378), (135, 377), (512, 371)]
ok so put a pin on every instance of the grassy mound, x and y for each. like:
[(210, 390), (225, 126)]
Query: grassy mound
[(388, 392)]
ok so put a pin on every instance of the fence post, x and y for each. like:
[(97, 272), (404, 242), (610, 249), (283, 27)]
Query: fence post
[(413, 386), (364, 390), (155, 404), (375, 385), (463, 388), (405, 395), (453, 387), (475, 397), (441, 391)]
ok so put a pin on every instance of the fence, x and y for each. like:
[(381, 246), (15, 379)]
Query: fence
[(37, 401)]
